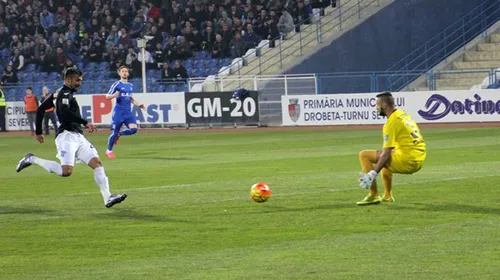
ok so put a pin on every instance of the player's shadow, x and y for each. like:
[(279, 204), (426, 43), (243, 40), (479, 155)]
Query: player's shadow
[(159, 158), (450, 207), (6, 210), (277, 209), (129, 214)]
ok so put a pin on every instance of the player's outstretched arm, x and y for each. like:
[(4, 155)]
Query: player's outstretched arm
[(40, 112), (136, 103)]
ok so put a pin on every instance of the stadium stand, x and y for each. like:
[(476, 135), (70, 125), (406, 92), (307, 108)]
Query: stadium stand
[(41, 38)]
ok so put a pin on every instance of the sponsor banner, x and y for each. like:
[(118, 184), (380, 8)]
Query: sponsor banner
[(221, 107), (424, 107), (15, 116), (161, 108)]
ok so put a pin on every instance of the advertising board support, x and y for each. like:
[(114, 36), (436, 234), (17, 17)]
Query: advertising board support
[(221, 109)]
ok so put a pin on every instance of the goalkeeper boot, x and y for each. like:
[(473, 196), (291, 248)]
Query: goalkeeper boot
[(370, 199), (388, 199)]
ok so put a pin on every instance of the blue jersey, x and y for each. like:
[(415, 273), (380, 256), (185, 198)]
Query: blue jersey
[(124, 99)]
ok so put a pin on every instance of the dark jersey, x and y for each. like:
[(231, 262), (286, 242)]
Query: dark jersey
[(67, 110)]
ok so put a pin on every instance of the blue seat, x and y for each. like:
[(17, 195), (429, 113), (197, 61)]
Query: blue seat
[(181, 87), (212, 71), (201, 55), (31, 67), (170, 88), (19, 92), (160, 88), (5, 53), (80, 65), (213, 63), (99, 75), (103, 66), (91, 66), (41, 76), (53, 76), (26, 77)]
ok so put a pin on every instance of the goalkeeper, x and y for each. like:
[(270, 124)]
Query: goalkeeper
[(403, 151)]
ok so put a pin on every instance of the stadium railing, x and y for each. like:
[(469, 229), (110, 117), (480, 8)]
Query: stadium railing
[(345, 11), (451, 39), (272, 86)]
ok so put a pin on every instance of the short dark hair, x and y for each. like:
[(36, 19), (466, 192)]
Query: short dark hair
[(29, 88), (72, 72), (121, 67), (387, 98)]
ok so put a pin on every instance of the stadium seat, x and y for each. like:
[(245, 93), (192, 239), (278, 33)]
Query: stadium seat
[(41, 76), (170, 88), (160, 88), (103, 66), (30, 68), (91, 66), (53, 76)]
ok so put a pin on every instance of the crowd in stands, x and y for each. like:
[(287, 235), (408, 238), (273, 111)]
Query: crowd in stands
[(54, 35)]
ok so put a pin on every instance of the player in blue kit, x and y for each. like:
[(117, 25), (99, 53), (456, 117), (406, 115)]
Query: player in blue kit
[(122, 113)]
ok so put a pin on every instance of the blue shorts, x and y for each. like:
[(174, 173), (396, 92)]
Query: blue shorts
[(122, 118)]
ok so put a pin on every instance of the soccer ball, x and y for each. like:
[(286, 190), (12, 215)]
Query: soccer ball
[(260, 192)]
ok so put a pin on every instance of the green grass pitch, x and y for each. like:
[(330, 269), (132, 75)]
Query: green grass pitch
[(189, 215)]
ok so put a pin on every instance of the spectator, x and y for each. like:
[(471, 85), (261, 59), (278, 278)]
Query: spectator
[(70, 50), (39, 49), (251, 38), (4, 37), (179, 72), (53, 39), (49, 114), (69, 65), (47, 20), (159, 55), (47, 63), (72, 34), (137, 27), (208, 39), (157, 38), (301, 14), (116, 55), (3, 104), (173, 31), (124, 40), (237, 46), (194, 39), (172, 49), (184, 50), (17, 61), (60, 60), (136, 67), (31, 105), (85, 44), (162, 26), (128, 59), (167, 73), (96, 52), (219, 49), (148, 59), (285, 24), (10, 75)]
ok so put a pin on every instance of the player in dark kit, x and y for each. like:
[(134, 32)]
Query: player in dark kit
[(70, 142)]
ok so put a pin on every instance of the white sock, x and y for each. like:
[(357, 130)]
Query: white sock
[(102, 182), (51, 166)]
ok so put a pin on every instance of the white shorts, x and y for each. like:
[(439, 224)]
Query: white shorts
[(73, 146)]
